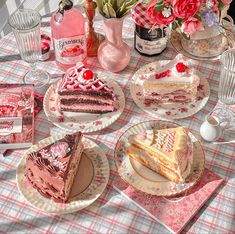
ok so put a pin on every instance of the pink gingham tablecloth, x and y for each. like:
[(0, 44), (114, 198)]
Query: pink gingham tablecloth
[(112, 213)]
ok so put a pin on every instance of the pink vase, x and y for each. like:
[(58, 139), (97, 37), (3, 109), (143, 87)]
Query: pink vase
[(114, 54)]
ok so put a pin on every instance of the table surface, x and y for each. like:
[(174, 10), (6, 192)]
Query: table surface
[(112, 213)]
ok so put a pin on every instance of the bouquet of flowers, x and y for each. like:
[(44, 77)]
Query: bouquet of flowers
[(186, 16)]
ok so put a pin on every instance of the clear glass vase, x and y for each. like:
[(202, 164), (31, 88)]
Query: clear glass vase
[(113, 54)]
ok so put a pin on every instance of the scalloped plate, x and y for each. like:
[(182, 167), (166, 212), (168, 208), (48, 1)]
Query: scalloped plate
[(84, 122), (148, 181), (172, 111), (90, 181)]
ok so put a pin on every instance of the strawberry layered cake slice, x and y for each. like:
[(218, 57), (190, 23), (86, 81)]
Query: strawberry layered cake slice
[(176, 82), (82, 91)]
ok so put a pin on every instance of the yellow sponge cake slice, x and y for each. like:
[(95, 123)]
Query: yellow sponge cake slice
[(166, 151)]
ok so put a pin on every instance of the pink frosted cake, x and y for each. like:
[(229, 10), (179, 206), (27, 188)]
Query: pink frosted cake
[(82, 91), (52, 169), (176, 82)]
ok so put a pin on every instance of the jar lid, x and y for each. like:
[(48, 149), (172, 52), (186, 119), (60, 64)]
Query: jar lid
[(139, 15)]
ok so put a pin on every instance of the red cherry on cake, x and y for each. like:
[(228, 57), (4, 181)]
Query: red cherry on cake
[(180, 67), (88, 75)]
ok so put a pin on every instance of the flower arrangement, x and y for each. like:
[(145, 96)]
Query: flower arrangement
[(186, 16), (115, 8)]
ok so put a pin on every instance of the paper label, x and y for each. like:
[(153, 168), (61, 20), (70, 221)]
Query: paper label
[(150, 47), (70, 50), (10, 125)]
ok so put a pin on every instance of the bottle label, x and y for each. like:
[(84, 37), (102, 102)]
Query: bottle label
[(70, 50), (150, 47)]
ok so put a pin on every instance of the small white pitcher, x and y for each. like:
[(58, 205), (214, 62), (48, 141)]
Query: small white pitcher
[(213, 127)]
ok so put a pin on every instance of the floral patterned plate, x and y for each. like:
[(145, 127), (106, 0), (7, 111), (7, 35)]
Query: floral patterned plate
[(89, 184), (174, 111), (84, 122), (146, 180)]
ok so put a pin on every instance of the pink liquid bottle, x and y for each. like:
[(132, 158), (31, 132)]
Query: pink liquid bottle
[(68, 33)]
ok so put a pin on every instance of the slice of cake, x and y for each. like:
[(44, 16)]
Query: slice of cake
[(166, 151), (82, 91), (176, 82), (52, 169)]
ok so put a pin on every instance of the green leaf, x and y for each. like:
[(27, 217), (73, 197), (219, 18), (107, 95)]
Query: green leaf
[(159, 8), (198, 17), (109, 12), (185, 36), (179, 21), (174, 25)]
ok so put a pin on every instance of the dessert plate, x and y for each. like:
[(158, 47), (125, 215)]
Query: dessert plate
[(146, 180), (89, 184), (84, 122), (170, 111)]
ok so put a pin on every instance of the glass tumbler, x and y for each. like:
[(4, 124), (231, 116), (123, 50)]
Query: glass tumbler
[(25, 24), (226, 93)]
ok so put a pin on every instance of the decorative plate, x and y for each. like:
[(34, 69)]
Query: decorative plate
[(84, 122), (177, 45), (89, 184), (146, 180), (171, 111)]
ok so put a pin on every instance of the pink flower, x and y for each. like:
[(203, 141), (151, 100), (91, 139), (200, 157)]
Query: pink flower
[(226, 2), (185, 8), (192, 25), (158, 17)]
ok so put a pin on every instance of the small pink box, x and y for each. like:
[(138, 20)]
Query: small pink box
[(16, 116)]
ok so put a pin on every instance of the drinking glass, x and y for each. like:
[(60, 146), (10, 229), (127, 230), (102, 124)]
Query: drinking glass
[(226, 93), (25, 24)]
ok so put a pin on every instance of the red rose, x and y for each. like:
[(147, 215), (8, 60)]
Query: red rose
[(158, 17), (185, 8)]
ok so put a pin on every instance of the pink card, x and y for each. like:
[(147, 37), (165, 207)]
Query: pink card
[(173, 213), (16, 116)]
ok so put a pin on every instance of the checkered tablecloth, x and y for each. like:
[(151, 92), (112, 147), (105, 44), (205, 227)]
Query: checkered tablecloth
[(112, 213)]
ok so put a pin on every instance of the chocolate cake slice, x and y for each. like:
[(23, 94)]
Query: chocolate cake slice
[(82, 91), (52, 169)]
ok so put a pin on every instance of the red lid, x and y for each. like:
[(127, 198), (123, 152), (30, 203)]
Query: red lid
[(139, 15)]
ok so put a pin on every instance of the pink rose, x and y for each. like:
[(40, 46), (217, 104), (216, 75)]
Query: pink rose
[(192, 25), (185, 8), (158, 17), (226, 2)]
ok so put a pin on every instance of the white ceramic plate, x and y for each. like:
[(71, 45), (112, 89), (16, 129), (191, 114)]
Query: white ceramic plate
[(89, 184), (84, 122), (172, 111), (146, 180)]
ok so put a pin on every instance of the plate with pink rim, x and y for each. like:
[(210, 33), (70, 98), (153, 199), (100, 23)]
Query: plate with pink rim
[(89, 183), (84, 122), (146, 180), (170, 111)]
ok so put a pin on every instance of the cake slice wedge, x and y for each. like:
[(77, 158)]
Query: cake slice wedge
[(81, 90), (166, 151), (175, 82), (52, 169)]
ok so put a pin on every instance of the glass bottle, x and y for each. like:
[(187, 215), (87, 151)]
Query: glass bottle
[(68, 34)]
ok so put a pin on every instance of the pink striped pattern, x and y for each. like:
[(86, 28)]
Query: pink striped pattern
[(112, 213)]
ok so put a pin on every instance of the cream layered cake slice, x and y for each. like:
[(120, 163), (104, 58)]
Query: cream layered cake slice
[(175, 82), (166, 151), (52, 169), (82, 91)]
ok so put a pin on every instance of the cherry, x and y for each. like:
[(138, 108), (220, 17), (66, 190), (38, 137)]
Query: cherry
[(181, 67), (88, 75)]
